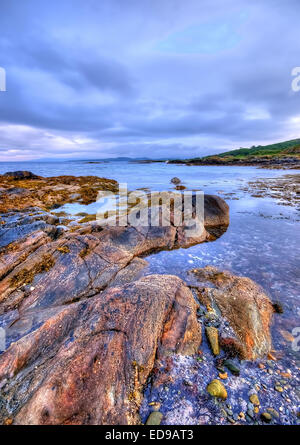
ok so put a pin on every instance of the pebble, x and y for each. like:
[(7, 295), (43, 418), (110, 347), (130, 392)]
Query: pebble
[(266, 417), (230, 419), (187, 383), (213, 338), (273, 412), (232, 367), (279, 388), (217, 389), (155, 418), (250, 413), (248, 418), (254, 399)]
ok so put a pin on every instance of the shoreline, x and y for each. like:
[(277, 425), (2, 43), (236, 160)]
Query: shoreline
[(272, 164), (73, 298)]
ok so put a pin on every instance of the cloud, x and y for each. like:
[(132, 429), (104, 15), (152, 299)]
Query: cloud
[(152, 79)]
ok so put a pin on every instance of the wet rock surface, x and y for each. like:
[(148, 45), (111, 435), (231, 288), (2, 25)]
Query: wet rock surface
[(285, 190), (88, 341), (87, 362), (82, 329), (224, 389), (244, 305), (20, 190)]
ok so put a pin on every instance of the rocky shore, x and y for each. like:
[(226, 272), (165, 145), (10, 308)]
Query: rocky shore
[(285, 189), (90, 338), (271, 162)]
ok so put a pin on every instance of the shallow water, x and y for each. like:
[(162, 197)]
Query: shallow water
[(262, 241)]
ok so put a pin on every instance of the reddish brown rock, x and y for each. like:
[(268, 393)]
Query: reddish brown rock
[(244, 304), (46, 193), (81, 342), (87, 362), (65, 267)]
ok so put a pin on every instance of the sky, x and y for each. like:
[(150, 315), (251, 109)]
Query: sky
[(90, 79)]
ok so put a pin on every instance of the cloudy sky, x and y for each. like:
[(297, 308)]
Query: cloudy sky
[(153, 78)]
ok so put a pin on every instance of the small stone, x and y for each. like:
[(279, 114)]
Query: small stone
[(223, 376), (266, 417), (217, 389), (286, 375), (213, 338), (279, 388), (273, 412), (242, 415), (187, 383), (8, 421), (250, 413), (254, 399), (175, 180), (256, 410), (232, 367), (231, 420), (248, 418), (261, 366), (155, 418)]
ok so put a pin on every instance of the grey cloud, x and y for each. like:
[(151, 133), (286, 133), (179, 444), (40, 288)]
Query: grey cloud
[(94, 70)]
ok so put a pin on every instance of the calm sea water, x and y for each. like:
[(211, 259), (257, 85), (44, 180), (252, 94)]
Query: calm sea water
[(262, 241)]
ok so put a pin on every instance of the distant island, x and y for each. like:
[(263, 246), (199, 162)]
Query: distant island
[(281, 155)]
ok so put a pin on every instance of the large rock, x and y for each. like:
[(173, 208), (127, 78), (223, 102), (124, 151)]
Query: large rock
[(86, 363), (20, 175), (244, 304), (216, 215), (47, 193), (82, 331), (78, 264)]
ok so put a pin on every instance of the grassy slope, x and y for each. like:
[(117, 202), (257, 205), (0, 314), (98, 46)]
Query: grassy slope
[(281, 149)]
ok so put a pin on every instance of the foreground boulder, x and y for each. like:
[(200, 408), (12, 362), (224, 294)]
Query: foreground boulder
[(82, 329), (41, 265), (87, 362), (244, 305)]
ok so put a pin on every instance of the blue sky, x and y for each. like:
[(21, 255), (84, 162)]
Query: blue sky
[(146, 78)]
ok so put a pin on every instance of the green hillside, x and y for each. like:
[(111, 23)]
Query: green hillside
[(280, 149)]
